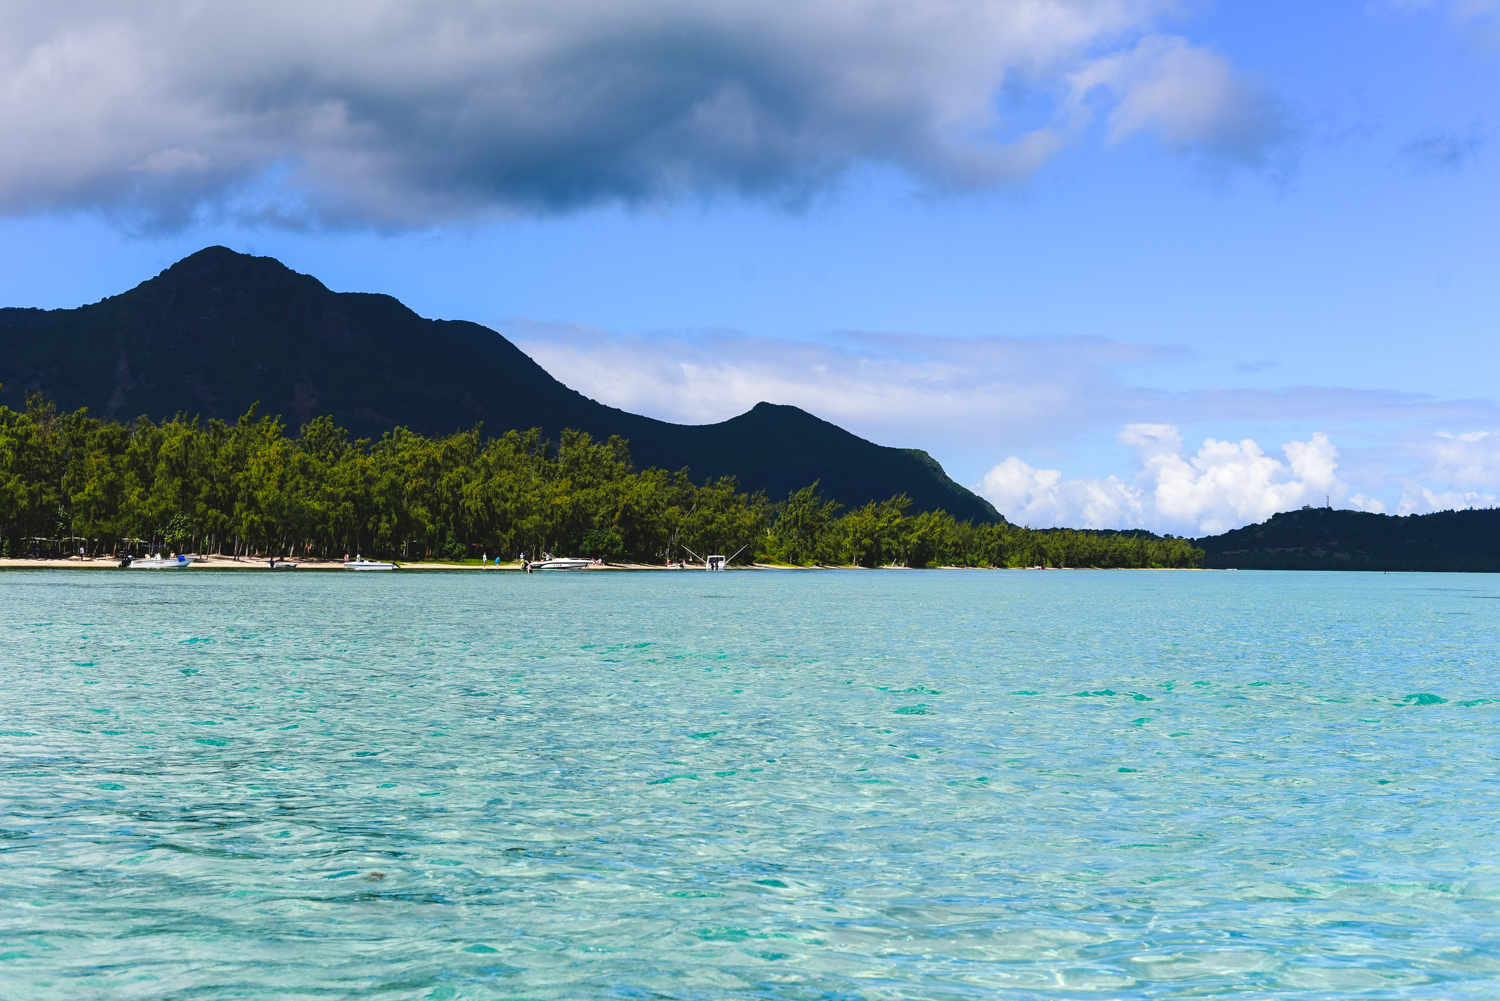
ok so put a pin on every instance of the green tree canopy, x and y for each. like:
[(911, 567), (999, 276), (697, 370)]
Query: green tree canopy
[(249, 487)]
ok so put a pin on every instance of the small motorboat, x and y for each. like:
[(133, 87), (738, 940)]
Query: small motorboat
[(717, 562), (560, 564), (360, 563), (157, 562), (281, 565)]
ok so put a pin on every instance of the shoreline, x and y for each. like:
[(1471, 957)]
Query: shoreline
[(232, 563), (219, 562)]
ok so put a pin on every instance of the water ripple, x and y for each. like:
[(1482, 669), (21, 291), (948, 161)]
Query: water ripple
[(786, 786)]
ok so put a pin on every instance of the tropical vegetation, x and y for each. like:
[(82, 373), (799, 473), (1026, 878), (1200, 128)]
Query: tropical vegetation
[(71, 481)]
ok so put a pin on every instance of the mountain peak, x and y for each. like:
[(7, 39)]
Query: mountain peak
[(219, 270), (219, 331)]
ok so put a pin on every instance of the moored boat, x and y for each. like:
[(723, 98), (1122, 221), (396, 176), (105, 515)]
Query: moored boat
[(561, 564), (360, 563), (157, 562), (717, 562)]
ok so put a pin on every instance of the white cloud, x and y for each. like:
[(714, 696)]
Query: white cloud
[(1419, 499), (987, 393), (971, 401), (1192, 98), (1226, 484), (1041, 498), (1469, 459), (1223, 486), (409, 113), (1359, 502), (896, 389), (1456, 472)]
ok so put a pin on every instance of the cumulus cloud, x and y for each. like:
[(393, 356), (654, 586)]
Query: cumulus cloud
[(1041, 498), (421, 111), (1223, 486), (1468, 459), (1455, 472)]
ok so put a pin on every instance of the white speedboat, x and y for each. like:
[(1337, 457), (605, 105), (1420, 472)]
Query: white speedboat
[(281, 565), (717, 562), (561, 564), (360, 563), (157, 562)]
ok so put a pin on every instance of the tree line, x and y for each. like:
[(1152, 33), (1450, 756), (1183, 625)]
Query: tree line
[(71, 481)]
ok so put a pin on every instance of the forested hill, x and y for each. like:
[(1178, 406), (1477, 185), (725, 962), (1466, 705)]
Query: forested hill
[(220, 331), (1325, 539)]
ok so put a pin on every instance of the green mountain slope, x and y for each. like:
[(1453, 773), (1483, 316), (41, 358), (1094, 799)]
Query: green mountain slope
[(1324, 539), (220, 331)]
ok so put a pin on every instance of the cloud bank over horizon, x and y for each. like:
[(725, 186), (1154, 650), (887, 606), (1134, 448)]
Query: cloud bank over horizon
[(1227, 485), (1000, 396), (1224, 485), (399, 115)]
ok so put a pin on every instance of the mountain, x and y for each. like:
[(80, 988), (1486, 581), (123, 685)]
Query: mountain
[(220, 331), (1325, 539)]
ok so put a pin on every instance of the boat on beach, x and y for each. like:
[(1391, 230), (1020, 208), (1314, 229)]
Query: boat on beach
[(360, 563), (157, 562)]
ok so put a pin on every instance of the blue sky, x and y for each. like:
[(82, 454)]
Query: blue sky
[(1058, 243)]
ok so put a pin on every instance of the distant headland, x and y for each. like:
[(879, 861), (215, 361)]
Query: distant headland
[(1327, 539)]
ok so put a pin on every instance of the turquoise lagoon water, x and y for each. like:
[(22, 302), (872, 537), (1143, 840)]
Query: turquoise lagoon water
[(834, 785)]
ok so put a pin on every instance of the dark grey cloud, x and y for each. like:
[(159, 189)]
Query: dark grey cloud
[(406, 114)]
